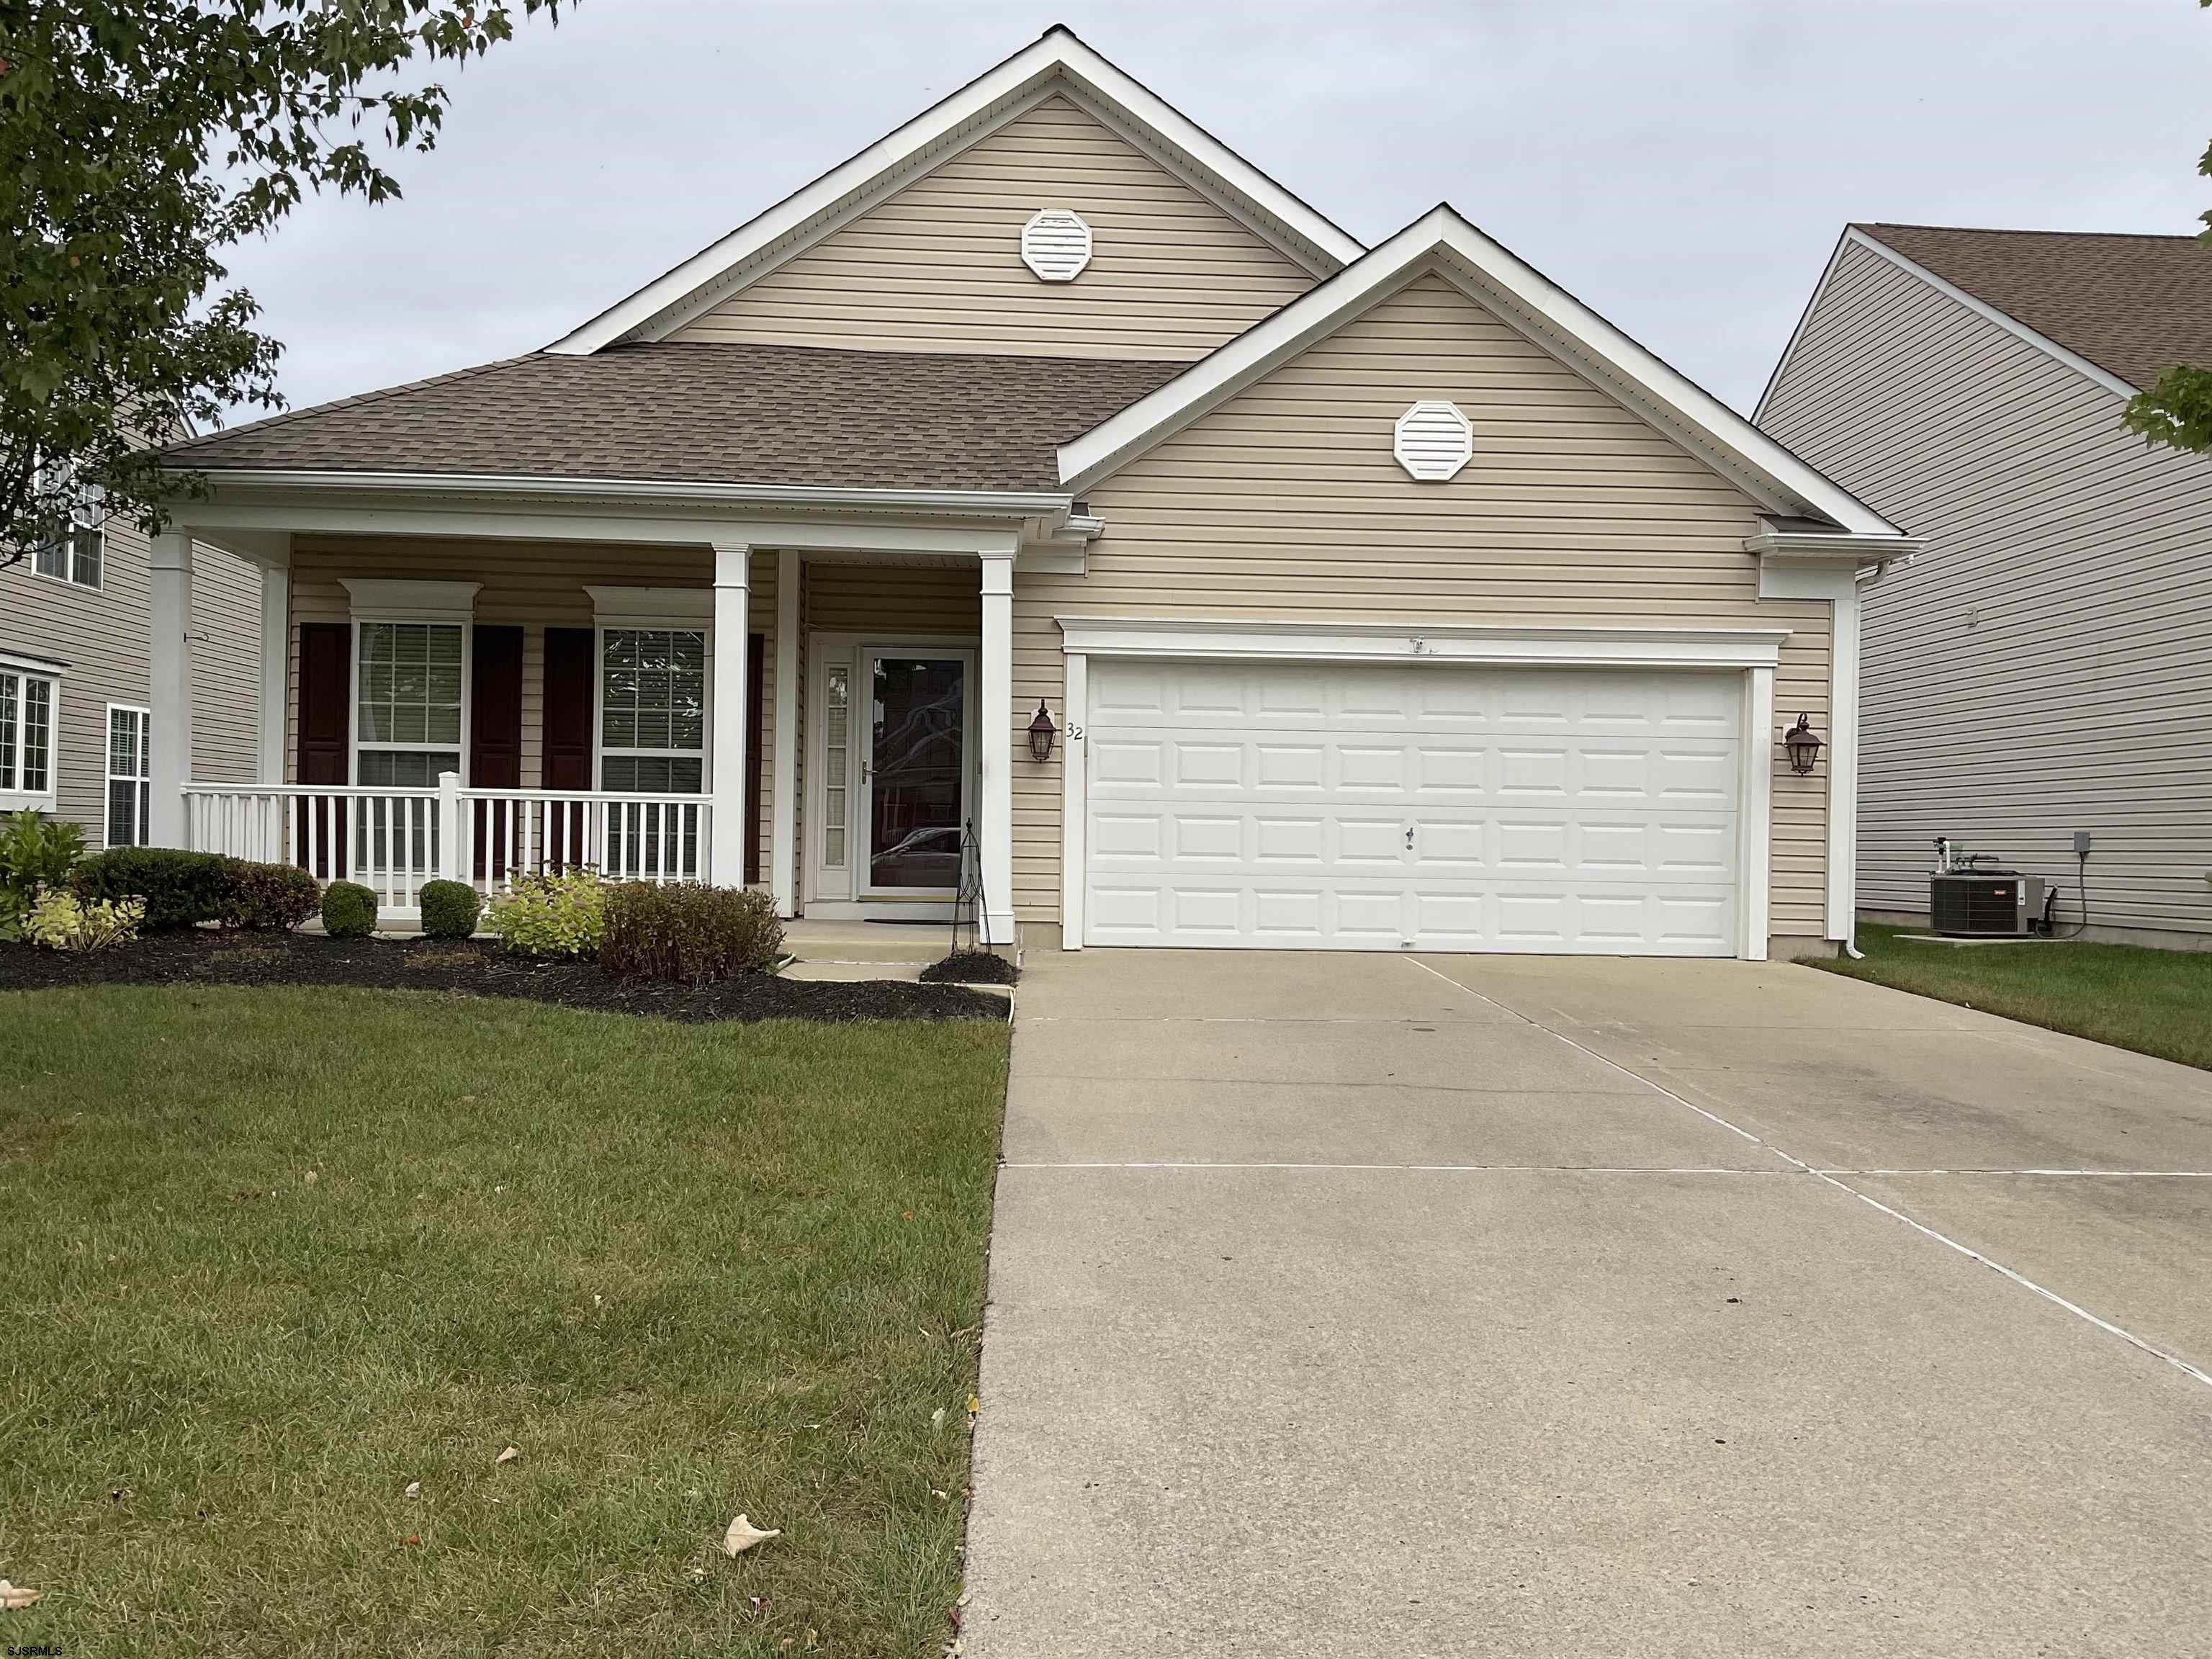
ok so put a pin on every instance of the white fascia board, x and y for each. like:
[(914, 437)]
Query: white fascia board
[(988, 503), (908, 151), (1568, 647), (1854, 237), (1442, 241), (1834, 545)]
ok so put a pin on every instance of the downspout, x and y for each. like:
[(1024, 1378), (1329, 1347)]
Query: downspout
[(1843, 720)]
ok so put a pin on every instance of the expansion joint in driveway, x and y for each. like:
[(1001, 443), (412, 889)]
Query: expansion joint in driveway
[(1835, 1180)]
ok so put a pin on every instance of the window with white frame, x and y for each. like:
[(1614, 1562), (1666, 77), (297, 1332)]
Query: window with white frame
[(407, 723), (836, 736), (30, 704), (76, 549), (652, 710), (130, 774)]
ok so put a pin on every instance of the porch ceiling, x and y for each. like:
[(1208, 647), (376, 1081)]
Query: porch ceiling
[(711, 414)]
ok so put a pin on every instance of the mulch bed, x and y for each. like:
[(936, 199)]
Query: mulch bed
[(476, 966), (971, 968)]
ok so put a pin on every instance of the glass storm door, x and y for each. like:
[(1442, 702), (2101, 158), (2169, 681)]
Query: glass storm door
[(914, 769)]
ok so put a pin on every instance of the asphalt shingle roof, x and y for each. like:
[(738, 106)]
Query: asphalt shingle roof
[(2134, 305), (711, 413)]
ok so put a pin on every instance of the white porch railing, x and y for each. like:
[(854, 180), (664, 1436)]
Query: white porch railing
[(393, 840)]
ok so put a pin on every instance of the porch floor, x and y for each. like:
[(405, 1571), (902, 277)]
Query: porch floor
[(864, 950)]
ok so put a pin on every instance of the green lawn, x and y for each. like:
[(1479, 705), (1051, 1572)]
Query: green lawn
[(688, 1270), (2158, 1002)]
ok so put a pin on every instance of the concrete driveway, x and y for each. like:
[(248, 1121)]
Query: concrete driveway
[(1413, 1306)]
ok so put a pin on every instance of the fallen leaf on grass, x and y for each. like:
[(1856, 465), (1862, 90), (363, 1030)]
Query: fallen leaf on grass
[(508, 1455), (15, 1597), (743, 1535)]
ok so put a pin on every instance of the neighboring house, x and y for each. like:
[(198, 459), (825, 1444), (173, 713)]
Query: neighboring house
[(77, 738), (2045, 666), (1047, 472)]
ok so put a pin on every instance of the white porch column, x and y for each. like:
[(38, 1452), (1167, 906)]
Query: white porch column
[(169, 685), (733, 595), (783, 830), (996, 924), (276, 669)]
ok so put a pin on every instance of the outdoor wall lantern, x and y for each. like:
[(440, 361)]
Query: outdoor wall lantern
[(1042, 731), (1803, 745)]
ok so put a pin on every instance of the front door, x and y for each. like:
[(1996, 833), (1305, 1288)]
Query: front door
[(914, 762)]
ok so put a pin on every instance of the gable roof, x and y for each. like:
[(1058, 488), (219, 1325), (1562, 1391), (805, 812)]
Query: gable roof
[(719, 413), (1057, 63), (1443, 241), (2133, 305)]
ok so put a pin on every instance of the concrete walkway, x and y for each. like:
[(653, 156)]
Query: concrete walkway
[(1412, 1306)]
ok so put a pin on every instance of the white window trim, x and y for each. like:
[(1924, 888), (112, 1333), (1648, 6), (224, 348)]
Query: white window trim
[(93, 500), (1753, 652), (383, 601), (691, 609), (361, 619), (600, 752), (48, 798), (110, 777)]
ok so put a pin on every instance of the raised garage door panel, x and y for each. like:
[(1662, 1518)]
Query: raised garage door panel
[(1362, 808)]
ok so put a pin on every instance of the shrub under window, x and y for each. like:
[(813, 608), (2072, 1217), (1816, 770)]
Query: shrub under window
[(181, 889), (450, 909), (556, 916), (688, 933), (349, 910), (273, 898)]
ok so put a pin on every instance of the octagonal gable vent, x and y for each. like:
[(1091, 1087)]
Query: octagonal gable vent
[(1056, 244), (1434, 441)]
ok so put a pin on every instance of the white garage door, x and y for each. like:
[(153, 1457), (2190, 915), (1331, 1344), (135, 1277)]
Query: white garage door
[(1362, 808)]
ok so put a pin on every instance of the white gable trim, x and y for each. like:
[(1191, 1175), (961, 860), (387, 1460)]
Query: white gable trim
[(1854, 237), (1441, 241), (1058, 62)]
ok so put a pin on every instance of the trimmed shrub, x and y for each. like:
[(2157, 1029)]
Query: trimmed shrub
[(267, 898), (450, 909), (181, 889), (34, 853), (689, 934), (349, 910), (60, 921), (558, 915)]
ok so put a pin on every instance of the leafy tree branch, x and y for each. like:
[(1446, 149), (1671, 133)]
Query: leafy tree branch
[(142, 137)]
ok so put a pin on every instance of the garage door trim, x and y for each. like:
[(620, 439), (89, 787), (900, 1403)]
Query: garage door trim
[(1753, 651)]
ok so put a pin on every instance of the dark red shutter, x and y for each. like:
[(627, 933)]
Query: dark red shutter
[(565, 728), (495, 709), (756, 719), (494, 743), (326, 695), (325, 736), (568, 717)]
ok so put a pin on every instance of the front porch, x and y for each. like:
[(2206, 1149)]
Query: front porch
[(820, 708)]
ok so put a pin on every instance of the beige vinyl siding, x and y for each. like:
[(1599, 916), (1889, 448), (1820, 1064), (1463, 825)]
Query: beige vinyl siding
[(1286, 503), (892, 601), (535, 584), (2046, 665), (938, 266), (103, 634)]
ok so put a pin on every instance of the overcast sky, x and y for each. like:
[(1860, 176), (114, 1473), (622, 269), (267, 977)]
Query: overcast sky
[(1685, 168)]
